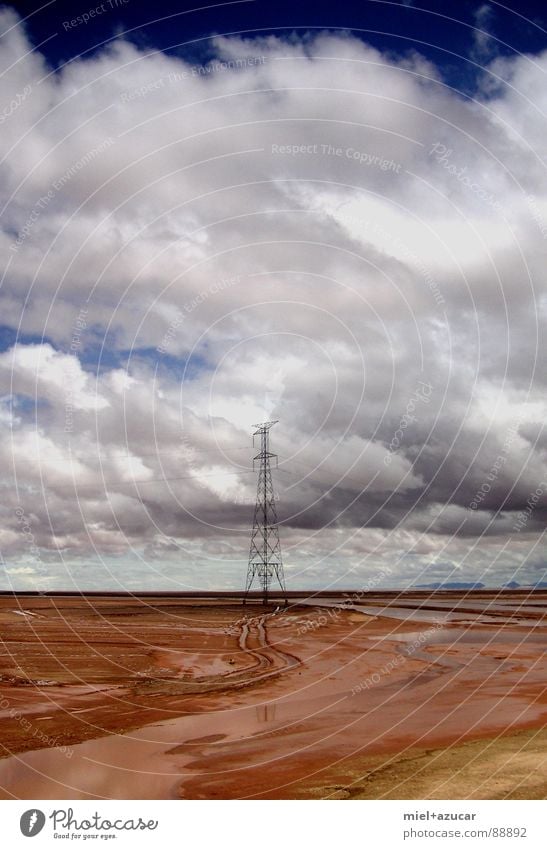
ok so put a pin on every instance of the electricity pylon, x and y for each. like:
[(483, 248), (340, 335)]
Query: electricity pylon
[(265, 561)]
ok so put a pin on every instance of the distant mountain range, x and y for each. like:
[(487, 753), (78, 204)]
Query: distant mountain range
[(476, 585), (451, 585), (513, 585)]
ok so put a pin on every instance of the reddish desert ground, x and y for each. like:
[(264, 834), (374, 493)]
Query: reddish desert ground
[(415, 695)]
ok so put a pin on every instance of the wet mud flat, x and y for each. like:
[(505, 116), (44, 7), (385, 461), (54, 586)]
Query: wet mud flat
[(419, 696)]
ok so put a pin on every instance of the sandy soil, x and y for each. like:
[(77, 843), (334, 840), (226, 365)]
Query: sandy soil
[(425, 696)]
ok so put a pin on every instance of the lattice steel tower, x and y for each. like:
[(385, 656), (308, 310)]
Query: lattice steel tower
[(265, 555)]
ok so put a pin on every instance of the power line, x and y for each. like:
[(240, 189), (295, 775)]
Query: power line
[(138, 454), (316, 469), (106, 484), (195, 476)]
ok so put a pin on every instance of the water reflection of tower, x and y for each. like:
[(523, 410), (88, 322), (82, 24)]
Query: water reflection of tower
[(266, 712)]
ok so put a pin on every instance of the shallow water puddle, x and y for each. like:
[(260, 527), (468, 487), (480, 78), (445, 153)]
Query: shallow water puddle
[(145, 764)]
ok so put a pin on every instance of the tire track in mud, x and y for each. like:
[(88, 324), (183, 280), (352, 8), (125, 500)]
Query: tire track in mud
[(253, 641)]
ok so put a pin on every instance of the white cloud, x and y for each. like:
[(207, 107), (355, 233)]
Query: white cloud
[(313, 227)]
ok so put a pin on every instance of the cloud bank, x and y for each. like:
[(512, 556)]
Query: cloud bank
[(305, 229)]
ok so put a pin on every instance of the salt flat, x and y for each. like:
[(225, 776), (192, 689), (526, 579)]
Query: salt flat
[(379, 695)]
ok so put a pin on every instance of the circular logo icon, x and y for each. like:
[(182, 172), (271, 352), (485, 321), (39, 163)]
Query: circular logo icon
[(32, 822)]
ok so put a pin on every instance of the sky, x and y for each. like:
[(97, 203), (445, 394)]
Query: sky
[(330, 215)]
